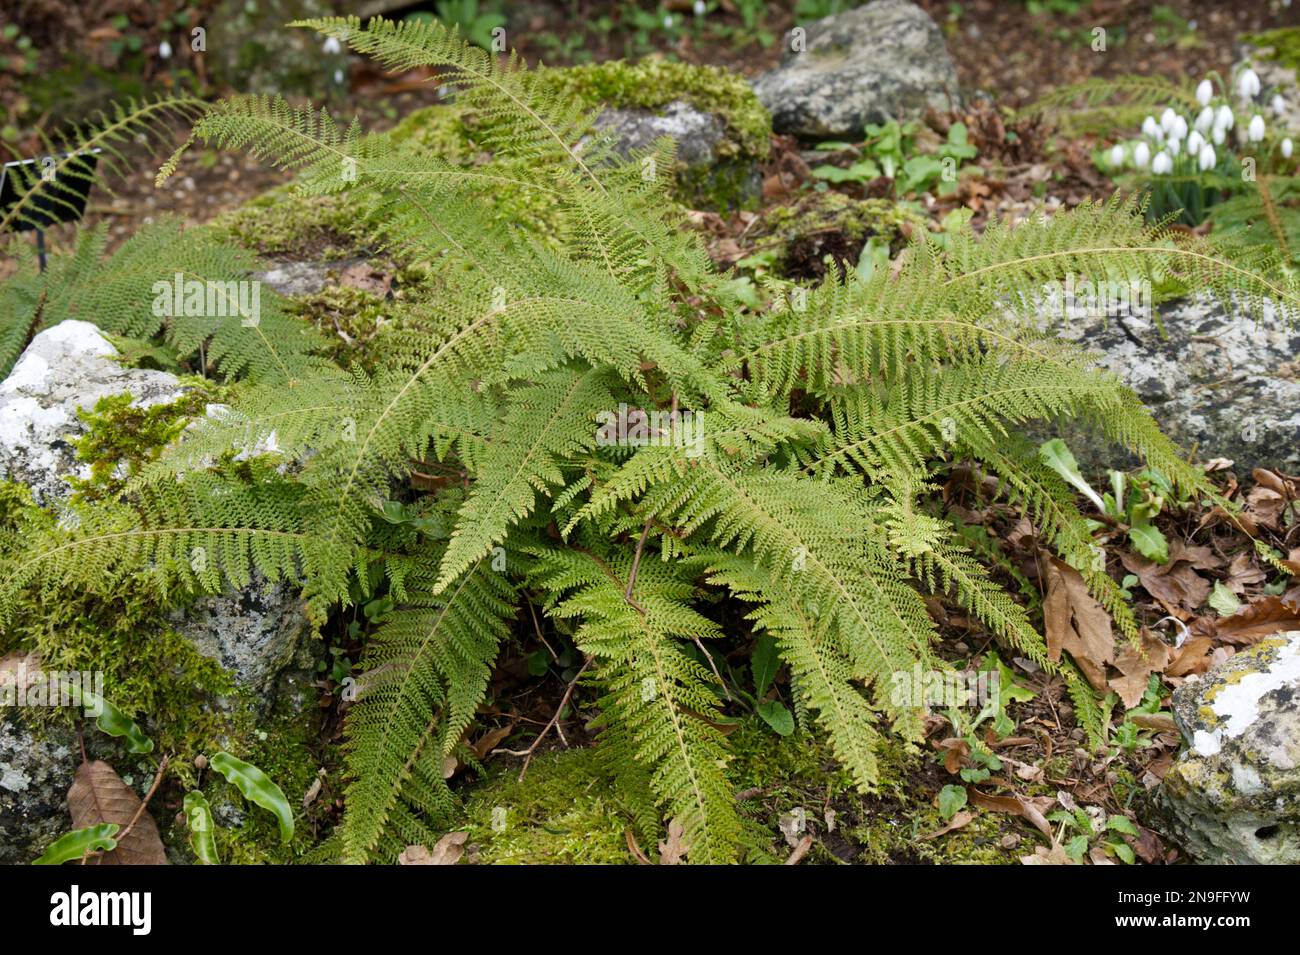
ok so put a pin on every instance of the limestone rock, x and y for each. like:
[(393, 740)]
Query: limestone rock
[(884, 59), (66, 367), (1234, 795), (1220, 382)]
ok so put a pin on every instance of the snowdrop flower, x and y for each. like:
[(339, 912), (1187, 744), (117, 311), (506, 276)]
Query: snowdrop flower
[(331, 46), (1149, 127), (1205, 121), (1179, 130), (668, 21), (1141, 155), (1219, 135), (165, 50), (1167, 119), (1162, 164), (1207, 160), (1247, 84), (1287, 147), (1255, 131), (1117, 154), (700, 8), (1224, 119), (1204, 92), (1278, 104), (1194, 143)]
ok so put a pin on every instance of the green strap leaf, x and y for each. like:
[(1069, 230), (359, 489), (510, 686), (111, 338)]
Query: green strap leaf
[(198, 816), (77, 843), (258, 788), (112, 720)]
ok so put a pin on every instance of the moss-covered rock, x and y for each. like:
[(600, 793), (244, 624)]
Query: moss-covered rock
[(722, 131), (1234, 795)]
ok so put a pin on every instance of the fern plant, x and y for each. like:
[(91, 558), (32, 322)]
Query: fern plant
[(558, 381)]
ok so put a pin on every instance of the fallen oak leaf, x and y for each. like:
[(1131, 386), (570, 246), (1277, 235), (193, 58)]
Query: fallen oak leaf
[(960, 819), (98, 795), (1013, 805), (446, 851), (1076, 623), (1262, 618)]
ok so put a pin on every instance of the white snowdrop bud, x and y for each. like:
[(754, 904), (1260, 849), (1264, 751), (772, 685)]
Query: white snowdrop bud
[(1162, 164), (1287, 147), (1219, 134), (1205, 121), (1224, 118), (1255, 131), (1117, 155), (1149, 126), (1207, 160), (700, 8), (668, 21), (1195, 142), (1174, 147), (331, 46), (1247, 84), (1141, 155), (1278, 104), (165, 50), (1180, 128), (1167, 119), (1204, 92)]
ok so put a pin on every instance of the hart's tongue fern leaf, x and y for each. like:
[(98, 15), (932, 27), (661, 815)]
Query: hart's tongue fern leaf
[(807, 496)]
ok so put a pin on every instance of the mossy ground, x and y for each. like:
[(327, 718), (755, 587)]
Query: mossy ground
[(567, 811)]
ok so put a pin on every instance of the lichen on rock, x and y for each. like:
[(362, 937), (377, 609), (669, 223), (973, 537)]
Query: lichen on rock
[(1234, 795)]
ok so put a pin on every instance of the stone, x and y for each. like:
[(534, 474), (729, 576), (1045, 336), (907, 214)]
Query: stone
[(698, 136), (66, 367), (260, 633), (1234, 795), (1222, 383), (881, 60)]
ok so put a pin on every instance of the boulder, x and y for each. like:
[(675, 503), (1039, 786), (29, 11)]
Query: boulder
[(1234, 795), (703, 174), (261, 633), (885, 59), (66, 367), (1217, 381)]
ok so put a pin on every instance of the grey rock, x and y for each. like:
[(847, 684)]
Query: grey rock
[(1219, 382), (35, 773), (697, 135), (261, 634), (1234, 795), (66, 367), (885, 59)]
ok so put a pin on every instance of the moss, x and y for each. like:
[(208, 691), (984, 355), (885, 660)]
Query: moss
[(654, 83), (284, 222), (565, 811), (795, 238), (122, 437), (1279, 46)]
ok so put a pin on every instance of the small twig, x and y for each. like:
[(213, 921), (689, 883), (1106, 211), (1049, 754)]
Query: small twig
[(157, 779), (537, 627), (555, 720)]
